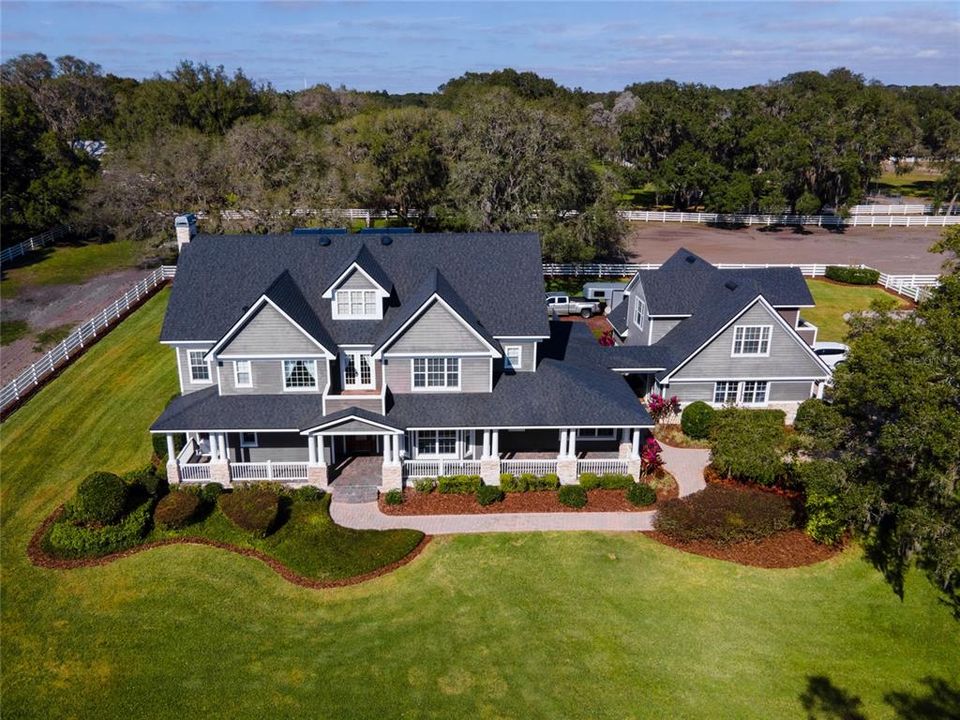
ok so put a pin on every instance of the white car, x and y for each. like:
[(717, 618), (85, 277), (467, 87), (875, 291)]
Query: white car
[(832, 353)]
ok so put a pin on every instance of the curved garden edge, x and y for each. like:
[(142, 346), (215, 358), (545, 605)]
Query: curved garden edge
[(785, 550), (39, 558)]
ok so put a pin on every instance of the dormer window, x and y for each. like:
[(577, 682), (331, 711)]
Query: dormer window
[(358, 304)]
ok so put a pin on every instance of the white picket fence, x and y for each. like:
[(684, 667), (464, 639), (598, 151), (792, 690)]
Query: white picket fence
[(85, 335), (34, 243), (891, 210), (818, 220), (268, 471), (440, 467), (528, 466), (602, 465)]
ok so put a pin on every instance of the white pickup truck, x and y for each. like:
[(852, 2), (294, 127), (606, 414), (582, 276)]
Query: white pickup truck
[(559, 303)]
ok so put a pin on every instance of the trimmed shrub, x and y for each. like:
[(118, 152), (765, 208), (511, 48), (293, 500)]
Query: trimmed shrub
[(724, 515), (489, 494), (67, 539), (458, 484), (641, 494), (589, 481), (209, 492), (852, 275), (176, 509), (513, 483), (572, 496), (425, 485), (308, 493), (393, 497), (615, 481), (825, 508), (101, 498), (253, 508), (749, 444), (146, 479), (550, 481), (696, 420), (821, 425)]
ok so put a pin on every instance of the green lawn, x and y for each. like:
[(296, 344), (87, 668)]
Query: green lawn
[(833, 301), (12, 330), (910, 184), (508, 626), (69, 265)]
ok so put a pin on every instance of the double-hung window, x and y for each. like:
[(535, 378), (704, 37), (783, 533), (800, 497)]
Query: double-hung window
[(299, 375), (725, 392), (436, 443), (357, 304), (357, 370), (596, 433), (751, 340), (512, 357), (436, 373), (243, 373), (199, 369), (641, 310)]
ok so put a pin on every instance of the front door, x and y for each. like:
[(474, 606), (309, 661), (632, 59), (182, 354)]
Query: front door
[(360, 444)]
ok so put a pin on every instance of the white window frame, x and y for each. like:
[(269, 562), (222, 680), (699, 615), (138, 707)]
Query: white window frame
[(426, 373), (203, 363), (246, 442), (355, 355), (726, 385), (237, 372), (508, 363), (641, 311), (349, 294), (739, 387), (283, 375), (739, 332), (596, 434), (455, 455)]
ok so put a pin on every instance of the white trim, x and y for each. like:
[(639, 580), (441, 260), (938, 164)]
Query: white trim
[(247, 443), (427, 304), (236, 373), (524, 427), (637, 369), (806, 378), (179, 369), (358, 346), (670, 317), (347, 418), (283, 376), (254, 309), (639, 311), (343, 370), (518, 367), (743, 341), (377, 305), (458, 449), (426, 374), (276, 356), (489, 375), (738, 393), (521, 337), (447, 353), (187, 342), (328, 294), (227, 430), (777, 318), (203, 359)]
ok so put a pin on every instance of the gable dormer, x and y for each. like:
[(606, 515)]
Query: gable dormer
[(359, 290)]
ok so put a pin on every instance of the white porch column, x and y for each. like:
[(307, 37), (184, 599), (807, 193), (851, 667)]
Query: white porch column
[(624, 448), (820, 388), (223, 447), (170, 452), (563, 443), (387, 455), (312, 449), (173, 467), (635, 451), (486, 444), (495, 446), (572, 443), (395, 449)]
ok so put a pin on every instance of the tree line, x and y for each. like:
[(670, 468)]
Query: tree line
[(487, 151)]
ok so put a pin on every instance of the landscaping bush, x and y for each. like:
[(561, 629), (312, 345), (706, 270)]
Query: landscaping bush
[(550, 481), (176, 509), (572, 496), (589, 481), (724, 515), (696, 420), (67, 539), (513, 483), (253, 508), (393, 497), (459, 484), (662, 408), (209, 492), (101, 498), (615, 481), (489, 494), (821, 426), (749, 444), (852, 276), (146, 479), (825, 509), (641, 494), (425, 485)]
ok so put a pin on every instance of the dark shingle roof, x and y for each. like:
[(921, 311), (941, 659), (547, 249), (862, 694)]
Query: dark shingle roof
[(618, 318), (365, 260), (499, 276), (285, 293), (350, 412), (433, 283)]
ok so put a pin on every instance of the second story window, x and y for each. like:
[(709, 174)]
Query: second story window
[(751, 340), (199, 369), (357, 304), (357, 370), (436, 373), (512, 357), (299, 375), (243, 373), (641, 309)]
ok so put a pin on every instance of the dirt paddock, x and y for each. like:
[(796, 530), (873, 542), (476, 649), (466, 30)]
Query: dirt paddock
[(892, 250)]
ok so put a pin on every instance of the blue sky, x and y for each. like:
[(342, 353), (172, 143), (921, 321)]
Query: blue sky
[(415, 46)]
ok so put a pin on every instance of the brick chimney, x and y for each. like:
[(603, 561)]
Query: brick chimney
[(186, 228)]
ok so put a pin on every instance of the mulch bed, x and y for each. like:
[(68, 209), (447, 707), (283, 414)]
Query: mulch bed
[(672, 434), (712, 477), (39, 558), (791, 548), (537, 501)]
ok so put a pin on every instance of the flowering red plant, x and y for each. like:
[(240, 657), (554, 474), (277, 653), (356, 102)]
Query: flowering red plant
[(606, 340), (661, 408), (650, 458)]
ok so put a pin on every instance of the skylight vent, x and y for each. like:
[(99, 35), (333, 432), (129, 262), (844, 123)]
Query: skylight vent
[(385, 240), (324, 241), (730, 285), (690, 259)]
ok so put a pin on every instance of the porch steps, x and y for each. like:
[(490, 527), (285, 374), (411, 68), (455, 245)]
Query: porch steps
[(353, 494)]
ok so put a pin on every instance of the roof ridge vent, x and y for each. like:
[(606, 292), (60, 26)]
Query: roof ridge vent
[(730, 285)]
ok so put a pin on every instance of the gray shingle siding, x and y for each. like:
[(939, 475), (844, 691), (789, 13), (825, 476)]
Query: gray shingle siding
[(787, 356), (183, 361), (636, 335), (690, 392), (661, 326), (356, 280), (267, 377), (279, 447), (474, 375), (355, 426), (782, 391), (436, 330), (269, 333)]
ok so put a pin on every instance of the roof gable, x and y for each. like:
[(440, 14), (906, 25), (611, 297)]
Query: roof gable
[(364, 263)]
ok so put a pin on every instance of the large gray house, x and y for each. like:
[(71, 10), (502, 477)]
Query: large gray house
[(420, 355), (724, 336)]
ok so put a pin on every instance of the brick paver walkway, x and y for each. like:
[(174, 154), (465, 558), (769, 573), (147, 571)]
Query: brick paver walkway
[(686, 465)]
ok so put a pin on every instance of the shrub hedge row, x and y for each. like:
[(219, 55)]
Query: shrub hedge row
[(101, 498), (749, 444), (176, 509), (641, 494), (724, 515), (852, 275), (459, 484), (70, 538), (489, 494), (573, 496), (528, 482), (253, 508), (606, 481)]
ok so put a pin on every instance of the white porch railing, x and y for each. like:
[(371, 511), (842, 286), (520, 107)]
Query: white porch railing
[(187, 452), (194, 472), (602, 465), (528, 466), (438, 467), (269, 471)]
